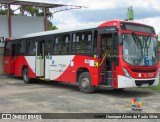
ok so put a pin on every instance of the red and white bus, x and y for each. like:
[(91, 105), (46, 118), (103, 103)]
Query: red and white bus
[(117, 54)]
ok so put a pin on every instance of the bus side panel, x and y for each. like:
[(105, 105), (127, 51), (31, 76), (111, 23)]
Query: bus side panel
[(60, 69), (29, 62), (87, 62), (17, 64), (9, 65)]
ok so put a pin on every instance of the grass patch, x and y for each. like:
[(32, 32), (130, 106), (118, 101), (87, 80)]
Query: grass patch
[(155, 87)]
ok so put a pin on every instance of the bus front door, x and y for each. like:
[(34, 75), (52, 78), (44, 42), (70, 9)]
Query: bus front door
[(40, 59), (108, 50)]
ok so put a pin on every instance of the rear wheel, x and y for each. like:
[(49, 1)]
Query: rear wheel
[(84, 82), (26, 78)]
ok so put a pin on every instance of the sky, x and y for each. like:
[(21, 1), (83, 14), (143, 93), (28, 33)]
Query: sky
[(145, 11)]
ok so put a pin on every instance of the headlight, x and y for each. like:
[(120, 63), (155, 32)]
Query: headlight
[(126, 72)]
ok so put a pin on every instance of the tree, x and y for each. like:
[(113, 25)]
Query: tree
[(3, 12), (29, 10), (51, 26)]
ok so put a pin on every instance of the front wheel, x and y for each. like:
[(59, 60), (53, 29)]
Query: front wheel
[(84, 83), (26, 78)]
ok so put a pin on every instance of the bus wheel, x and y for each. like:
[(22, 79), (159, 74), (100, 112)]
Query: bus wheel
[(84, 82), (26, 76)]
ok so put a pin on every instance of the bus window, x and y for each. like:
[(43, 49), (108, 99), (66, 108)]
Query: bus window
[(66, 44), (95, 41), (22, 47), (31, 47), (47, 47), (13, 50), (7, 49), (55, 45), (61, 44), (81, 42)]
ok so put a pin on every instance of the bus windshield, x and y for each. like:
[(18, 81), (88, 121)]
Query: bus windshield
[(139, 50)]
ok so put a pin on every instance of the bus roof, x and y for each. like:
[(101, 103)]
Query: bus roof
[(75, 28)]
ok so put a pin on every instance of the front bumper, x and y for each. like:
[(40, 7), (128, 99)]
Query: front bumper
[(125, 82)]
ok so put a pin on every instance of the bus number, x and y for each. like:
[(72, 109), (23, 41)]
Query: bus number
[(61, 65), (1, 39)]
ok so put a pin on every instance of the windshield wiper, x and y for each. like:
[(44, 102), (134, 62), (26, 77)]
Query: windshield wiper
[(139, 45), (137, 40)]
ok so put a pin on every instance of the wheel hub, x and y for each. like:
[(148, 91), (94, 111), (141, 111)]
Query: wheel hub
[(85, 83)]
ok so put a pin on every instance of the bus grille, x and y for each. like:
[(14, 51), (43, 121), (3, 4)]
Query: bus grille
[(140, 82)]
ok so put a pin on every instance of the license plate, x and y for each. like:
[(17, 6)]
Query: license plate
[(145, 85)]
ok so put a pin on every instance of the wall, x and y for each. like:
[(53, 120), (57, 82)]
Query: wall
[(1, 60), (21, 25), (24, 25), (3, 28)]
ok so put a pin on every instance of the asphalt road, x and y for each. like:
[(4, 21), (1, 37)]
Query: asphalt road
[(56, 97)]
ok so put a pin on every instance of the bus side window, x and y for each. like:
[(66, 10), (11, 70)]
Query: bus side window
[(65, 43), (22, 47), (7, 48), (55, 45), (73, 43), (48, 47), (61, 44), (81, 42), (32, 47), (95, 41), (13, 50)]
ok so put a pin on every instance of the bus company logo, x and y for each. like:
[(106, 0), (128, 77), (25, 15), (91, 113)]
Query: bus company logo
[(53, 62), (136, 104), (50, 57)]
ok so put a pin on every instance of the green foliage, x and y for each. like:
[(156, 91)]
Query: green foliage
[(51, 26), (156, 87), (29, 9), (3, 12)]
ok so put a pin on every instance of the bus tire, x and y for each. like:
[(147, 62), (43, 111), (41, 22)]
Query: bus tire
[(26, 78), (84, 83)]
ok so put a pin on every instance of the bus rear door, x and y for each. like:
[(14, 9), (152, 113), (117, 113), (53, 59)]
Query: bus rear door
[(40, 56)]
